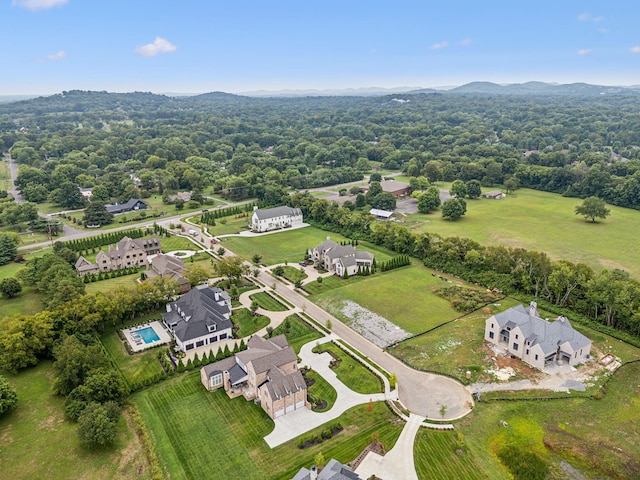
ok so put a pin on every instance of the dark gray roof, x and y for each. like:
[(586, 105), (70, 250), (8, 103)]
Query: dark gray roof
[(265, 213), (124, 207), (549, 335), (237, 374), (334, 470), (203, 306), (219, 366)]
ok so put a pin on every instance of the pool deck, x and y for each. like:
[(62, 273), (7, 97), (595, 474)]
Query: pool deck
[(138, 346)]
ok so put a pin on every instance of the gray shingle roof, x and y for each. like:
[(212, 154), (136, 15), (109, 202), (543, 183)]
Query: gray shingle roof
[(124, 207), (334, 470), (281, 384), (549, 335), (201, 309), (265, 213)]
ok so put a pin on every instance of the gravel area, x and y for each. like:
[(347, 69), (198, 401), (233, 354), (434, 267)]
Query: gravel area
[(370, 325)]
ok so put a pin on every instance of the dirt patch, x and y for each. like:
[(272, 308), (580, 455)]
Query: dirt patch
[(132, 461), (7, 436), (51, 423)]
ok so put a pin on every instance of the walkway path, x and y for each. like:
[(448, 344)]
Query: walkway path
[(398, 463), (294, 424)]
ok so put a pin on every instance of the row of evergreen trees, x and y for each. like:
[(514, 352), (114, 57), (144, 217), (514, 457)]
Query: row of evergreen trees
[(96, 277), (395, 262), (89, 243), (197, 362), (210, 217)]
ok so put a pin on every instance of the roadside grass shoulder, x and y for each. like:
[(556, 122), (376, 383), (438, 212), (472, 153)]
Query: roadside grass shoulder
[(181, 417), (39, 442), (350, 371), (293, 274)]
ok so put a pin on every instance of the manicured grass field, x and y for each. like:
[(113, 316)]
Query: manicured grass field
[(111, 283), (266, 301), (598, 437), (249, 324), (298, 332), (173, 243), (435, 457), (134, 368), (351, 372), (37, 441), (294, 274), (403, 296), (321, 390), (231, 224), (196, 431), (330, 283), (286, 246), (545, 222)]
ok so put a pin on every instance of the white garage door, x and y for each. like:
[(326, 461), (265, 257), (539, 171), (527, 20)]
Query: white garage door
[(300, 404), (290, 408), (279, 413)]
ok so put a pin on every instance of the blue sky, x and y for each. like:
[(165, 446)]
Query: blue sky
[(196, 46)]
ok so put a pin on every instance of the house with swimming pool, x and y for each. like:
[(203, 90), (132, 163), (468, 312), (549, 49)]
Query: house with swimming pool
[(200, 317)]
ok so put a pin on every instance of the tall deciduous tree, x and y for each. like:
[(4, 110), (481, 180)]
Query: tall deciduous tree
[(8, 248), (593, 207), (454, 209)]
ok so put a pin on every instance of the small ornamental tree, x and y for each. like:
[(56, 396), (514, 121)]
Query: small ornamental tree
[(10, 287), (8, 396)]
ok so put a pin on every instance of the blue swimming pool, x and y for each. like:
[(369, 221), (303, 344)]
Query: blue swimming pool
[(148, 334)]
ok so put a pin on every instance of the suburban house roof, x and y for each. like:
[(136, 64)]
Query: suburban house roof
[(265, 354), (280, 384), (266, 213), (220, 366), (334, 470), (381, 213), (127, 244), (165, 264), (549, 335), (493, 194), (124, 207), (194, 312)]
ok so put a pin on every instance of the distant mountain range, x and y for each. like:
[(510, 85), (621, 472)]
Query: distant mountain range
[(473, 88)]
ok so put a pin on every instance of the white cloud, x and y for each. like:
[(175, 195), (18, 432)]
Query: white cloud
[(634, 49), (465, 42), (439, 45), (585, 51), (159, 45), (57, 56), (584, 16), (38, 4), (603, 30)]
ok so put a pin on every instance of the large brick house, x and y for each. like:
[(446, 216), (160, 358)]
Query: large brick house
[(126, 253), (266, 372), (201, 316), (266, 219), (337, 258), (522, 333), (171, 267)]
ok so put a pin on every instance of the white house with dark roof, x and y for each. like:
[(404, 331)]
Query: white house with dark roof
[(266, 219), (199, 317), (539, 342), (266, 372), (337, 258)]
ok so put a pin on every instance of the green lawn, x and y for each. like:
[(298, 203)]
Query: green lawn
[(228, 225), (321, 390), (173, 243), (545, 222), (184, 420), (294, 274), (297, 331), (248, 324), (135, 368), (286, 246), (351, 372), (111, 283), (26, 302), (403, 296), (37, 441), (598, 437), (266, 301), (435, 457)]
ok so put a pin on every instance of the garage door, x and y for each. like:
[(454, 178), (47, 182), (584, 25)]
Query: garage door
[(300, 404), (279, 413), (290, 408)]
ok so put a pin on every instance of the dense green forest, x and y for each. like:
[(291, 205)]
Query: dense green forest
[(250, 147)]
